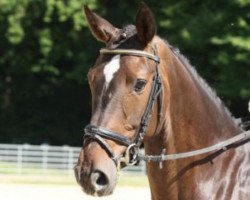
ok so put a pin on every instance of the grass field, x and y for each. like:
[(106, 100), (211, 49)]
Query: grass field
[(64, 187), (39, 184), (125, 180), (10, 174)]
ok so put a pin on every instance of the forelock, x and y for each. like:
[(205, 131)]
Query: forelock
[(127, 39), (129, 30)]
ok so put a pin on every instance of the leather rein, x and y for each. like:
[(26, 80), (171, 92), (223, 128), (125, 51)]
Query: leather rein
[(132, 154)]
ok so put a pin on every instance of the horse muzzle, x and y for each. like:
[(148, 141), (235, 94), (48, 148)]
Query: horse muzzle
[(96, 178)]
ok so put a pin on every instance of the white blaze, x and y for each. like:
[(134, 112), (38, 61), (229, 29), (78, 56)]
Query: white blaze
[(110, 69)]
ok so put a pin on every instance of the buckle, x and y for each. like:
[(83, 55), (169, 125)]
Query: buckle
[(157, 59), (130, 157)]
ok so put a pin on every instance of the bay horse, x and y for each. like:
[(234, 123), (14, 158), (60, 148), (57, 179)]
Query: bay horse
[(145, 91)]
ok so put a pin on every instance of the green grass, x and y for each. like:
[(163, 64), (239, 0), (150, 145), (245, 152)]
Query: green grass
[(32, 175), (36, 179), (28, 169), (124, 180)]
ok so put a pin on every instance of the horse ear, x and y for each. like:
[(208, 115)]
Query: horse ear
[(145, 24), (101, 29)]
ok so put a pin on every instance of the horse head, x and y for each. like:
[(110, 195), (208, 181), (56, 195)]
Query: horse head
[(121, 84)]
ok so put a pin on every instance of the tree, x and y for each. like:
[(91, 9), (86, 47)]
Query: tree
[(43, 66), (47, 49)]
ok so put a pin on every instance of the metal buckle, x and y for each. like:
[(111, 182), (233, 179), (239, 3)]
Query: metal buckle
[(130, 157)]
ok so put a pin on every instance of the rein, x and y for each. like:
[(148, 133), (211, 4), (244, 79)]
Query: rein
[(219, 146), (132, 155)]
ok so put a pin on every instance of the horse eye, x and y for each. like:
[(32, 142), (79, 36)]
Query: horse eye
[(140, 84)]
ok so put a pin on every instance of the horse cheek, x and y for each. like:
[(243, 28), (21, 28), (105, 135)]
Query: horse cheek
[(132, 109)]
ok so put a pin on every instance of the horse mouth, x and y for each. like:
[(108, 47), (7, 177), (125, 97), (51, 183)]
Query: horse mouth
[(89, 190)]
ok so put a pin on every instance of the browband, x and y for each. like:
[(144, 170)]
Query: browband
[(131, 52)]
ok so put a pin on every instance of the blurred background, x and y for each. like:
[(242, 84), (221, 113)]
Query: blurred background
[(46, 50)]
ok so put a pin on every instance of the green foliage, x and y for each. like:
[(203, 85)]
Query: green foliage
[(46, 50), (42, 68), (215, 36)]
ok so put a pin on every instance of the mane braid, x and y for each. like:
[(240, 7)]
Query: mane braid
[(200, 80)]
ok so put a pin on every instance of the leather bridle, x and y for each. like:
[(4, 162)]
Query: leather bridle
[(132, 155), (99, 134)]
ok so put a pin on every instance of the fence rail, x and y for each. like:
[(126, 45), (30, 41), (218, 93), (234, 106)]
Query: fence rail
[(22, 158)]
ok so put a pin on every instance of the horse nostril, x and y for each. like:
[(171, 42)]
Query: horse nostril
[(99, 180)]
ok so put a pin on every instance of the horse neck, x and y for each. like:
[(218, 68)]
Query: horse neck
[(195, 117)]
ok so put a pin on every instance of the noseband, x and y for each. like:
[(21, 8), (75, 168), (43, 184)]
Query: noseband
[(99, 134)]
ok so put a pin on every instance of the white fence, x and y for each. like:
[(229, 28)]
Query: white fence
[(27, 158)]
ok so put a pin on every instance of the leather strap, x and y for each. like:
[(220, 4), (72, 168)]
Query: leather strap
[(132, 52), (222, 145), (98, 133), (92, 131)]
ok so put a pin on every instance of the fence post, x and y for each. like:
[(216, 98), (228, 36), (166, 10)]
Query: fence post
[(143, 164), (19, 159), (70, 161), (45, 149)]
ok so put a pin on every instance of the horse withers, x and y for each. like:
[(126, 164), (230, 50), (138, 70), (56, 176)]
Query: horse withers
[(144, 91)]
